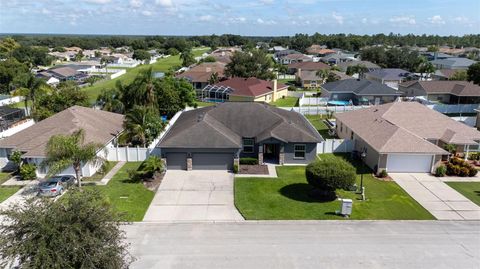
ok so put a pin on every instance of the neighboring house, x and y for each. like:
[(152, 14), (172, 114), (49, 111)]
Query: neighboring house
[(49, 78), (282, 53), (319, 50), (310, 79), (369, 65), (216, 137), (404, 136), (452, 63), (447, 92), (200, 75), (294, 58), (430, 56), (244, 90), (389, 76), (338, 57), (359, 92), (277, 48), (10, 117), (444, 74), (100, 127), (62, 73), (306, 66)]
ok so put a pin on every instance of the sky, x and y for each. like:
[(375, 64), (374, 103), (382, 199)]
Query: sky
[(244, 17)]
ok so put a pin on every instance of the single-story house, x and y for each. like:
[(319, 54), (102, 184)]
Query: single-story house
[(444, 74), (452, 63), (310, 79), (216, 137), (430, 56), (244, 90), (369, 65), (294, 58), (319, 50), (448, 92), (281, 53), (359, 92), (404, 136), (338, 57), (306, 66), (200, 75), (100, 127), (389, 76)]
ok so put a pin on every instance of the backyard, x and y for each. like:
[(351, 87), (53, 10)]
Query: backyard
[(286, 102), (286, 197), (471, 190), (317, 122)]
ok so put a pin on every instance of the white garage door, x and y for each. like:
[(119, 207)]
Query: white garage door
[(398, 163)]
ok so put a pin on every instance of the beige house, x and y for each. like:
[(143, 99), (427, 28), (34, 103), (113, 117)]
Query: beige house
[(404, 136), (447, 92)]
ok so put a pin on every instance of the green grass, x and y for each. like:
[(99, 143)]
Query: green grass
[(162, 65), (98, 175), (287, 81), (4, 177), (317, 122), (6, 192), (471, 190), (286, 197), (127, 196), (286, 102)]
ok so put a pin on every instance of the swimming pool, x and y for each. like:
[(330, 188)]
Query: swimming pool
[(339, 103)]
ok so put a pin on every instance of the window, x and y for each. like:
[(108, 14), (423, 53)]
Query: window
[(351, 136), (248, 145), (299, 151)]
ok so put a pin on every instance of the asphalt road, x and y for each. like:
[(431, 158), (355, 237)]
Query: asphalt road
[(323, 244)]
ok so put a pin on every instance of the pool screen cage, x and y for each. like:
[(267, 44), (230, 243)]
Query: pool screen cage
[(9, 116), (214, 92)]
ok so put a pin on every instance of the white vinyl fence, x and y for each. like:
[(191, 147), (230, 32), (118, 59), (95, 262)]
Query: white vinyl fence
[(454, 109), (322, 110), (335, 146)]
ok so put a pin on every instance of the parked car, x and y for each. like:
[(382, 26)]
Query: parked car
[(55, 186)]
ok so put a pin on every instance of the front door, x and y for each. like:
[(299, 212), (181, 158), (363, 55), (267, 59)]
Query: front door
[(270, 152)]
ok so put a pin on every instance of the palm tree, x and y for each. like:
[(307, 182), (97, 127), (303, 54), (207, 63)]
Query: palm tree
[(424, 66), (144, 89), (187, 58), (33, 88), (213, 78), (136, 127), (323, 74), (64, 151)]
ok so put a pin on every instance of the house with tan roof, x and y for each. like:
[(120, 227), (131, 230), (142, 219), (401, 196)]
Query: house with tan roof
[(100, 127), (243, 90), (294, 58), (306, 66), (447, 92), (201, 74), (404, 136)]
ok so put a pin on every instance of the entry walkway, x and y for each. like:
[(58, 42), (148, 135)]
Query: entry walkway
[(438, 198), (194, 196)]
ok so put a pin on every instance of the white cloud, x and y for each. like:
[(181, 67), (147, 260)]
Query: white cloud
[(164, 3), (461, 19), (337, 17), (238, 19), (46, 11), (136, 3), (98, 1), (206, 18), (266, 22), (403, 20), (370, 21), (437, 19), (364, 20), (147, 13)]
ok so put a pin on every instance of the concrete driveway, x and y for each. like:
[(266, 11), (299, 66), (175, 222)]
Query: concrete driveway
[(438, 198), (201, 195)]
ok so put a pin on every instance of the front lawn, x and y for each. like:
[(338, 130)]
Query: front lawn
[(471, 190), (286, 102), (317, 122), (6, 192), (286, 197), (127, 196), (99, 175), (4, 177)]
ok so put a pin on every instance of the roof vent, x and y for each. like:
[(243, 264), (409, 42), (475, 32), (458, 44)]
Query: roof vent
[(200, 117)]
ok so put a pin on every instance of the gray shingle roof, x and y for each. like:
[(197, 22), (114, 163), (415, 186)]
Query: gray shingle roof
[(359, 87), (224, 126), (454, 62), (389, 74)]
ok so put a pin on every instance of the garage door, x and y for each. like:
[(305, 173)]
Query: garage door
[(177, 161), (212, 161), (409, 163)]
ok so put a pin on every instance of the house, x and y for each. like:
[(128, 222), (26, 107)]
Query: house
[(244, 90), (319, 50), (61, 73), (447, 92), (100, 127), (338, 57), (430, 56), (216, 137), (369, 65), (452, 63), (294, 58), (200, 75), (306, 66), (444, 74), (404, 136), (359, 92), (282, 53), (389, 76), (310, 79)]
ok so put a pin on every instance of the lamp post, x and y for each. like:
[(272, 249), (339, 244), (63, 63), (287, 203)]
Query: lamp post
[(363, 156)]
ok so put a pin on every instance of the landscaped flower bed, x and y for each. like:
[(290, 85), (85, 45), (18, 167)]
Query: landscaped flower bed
[(461, 168)]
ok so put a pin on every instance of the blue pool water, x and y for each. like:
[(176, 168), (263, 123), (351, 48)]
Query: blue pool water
[(339, 103), (213, 100)]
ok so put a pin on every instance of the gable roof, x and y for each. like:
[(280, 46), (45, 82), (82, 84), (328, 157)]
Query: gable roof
[(389, 74), (454, 62), (203, 72), (224, 125), (249, 86), (446, 73), (100, 127), (309, 66), (296, 56), (367, 64), (458, 88), (404, 127), (359, 87)]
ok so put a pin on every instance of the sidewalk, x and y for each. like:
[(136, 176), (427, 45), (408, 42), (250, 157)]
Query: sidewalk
[(438, 198)]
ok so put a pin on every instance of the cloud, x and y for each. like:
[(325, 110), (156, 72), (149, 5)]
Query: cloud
[(98, 1), (267, 2), (164, 3), (461, 19), (437, 19), (403, 20), (147, 13), (266, 22), (206, 18), (46, 11), (337, 17), (136, 3)]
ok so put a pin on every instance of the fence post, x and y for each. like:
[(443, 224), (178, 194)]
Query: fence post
[(138, 157), (116, 152), (126, 153)]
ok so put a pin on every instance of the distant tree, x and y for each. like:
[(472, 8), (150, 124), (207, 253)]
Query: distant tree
[(111, 100), (63, 151), (254, 63), (459, 75), (141, 55), (359, 69), (424, 67), (172, 51), (82, 230), (187, 57), (79, 56), (8, 45), (331, 77), (13, 74), (432, 48), (208, 59), (32, 89), (473, 73), (97, 54)]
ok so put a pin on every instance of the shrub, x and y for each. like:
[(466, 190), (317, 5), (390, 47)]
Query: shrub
[(383, 174), (330, 174), (472, 172), (440, 171), (235, 168), (459, 167), (292, 88), (463, 172), (151, 165), (28, 172), (16, 158), (249, 161)]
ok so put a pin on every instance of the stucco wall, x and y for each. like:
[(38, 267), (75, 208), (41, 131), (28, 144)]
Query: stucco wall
[(310, 153)]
